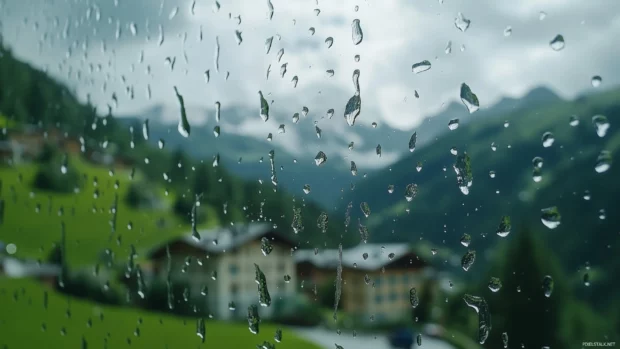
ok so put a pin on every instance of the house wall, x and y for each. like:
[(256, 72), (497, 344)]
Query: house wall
[(388, 300), (236, 275)]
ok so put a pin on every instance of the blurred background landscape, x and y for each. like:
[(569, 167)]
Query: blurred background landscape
[(201, 214)]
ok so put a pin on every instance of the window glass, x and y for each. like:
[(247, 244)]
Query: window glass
[(349, 174)]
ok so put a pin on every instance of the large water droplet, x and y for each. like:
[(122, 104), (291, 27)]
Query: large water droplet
[(353, 168), (548, 139), (597, 81), (557, 44), (145, 130), (253, 319), (461, 23), (365, 209), (464, 176), (468, 260), (411, 191), (264, 299), (183, 128), (469, 98), (421, 67), (412, 141), (453, 124), (601, 124), (265, 246), (550, 217), (603, 161), (414, 300), (484, 315), (200, 329), (495, 284), (504, 226), (329, 42), (465, 239), (354, 105), (264, 107), (356, 32), (320, 158)]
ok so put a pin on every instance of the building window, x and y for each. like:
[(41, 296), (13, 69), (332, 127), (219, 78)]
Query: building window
[(233, 269), (392, 279), (393, 297)]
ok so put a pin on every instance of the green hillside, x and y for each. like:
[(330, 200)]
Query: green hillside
[(441, 214), (29, 99), (60, 322)]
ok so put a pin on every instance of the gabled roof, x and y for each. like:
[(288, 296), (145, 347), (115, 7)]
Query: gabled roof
[(224, 239), (378, 256)]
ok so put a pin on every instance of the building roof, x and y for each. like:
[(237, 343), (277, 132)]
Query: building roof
[(378, 256), (17, 268), (223, 239)]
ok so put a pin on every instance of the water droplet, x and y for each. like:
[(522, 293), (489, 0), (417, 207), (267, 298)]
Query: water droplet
[(297, 223), (356, 32), (464, 176), (268, 43), (278, 335), (465, 239), (295, 118), (287, 278), (505, 339), (216, 55), (356, 58), (557, 44), (492, 174), (453, 124), (468, 260), (548, 139), (270, 9), (294, 81), (264, 107), (508, 31), (412, 141), (265, 246), (414, 300), (329, 73), (390, 188), (329, 42), (238, 37), (354, 105), (411, 191), (322, 222), (378, 150), (200, 329), (454, 151), (216, 131), (469, 98), (550, 217), (603, 161), (253, 319), (495, 284), (311, 30), (363, 230), (365, 209), (320, 158), (596, 81), (504, 226), (418, 166), (279, 56), (542, 15), (264, 299), (353, 168), (183, 128), (586, 279), (351, 145), (419, 340), (420, 67), (448, 48), (547, 285), (461, 23), (602, 125), (484, 316), (145, 129), (306, 189)]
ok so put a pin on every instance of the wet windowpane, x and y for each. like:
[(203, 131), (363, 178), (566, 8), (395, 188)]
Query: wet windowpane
[(309, 174)]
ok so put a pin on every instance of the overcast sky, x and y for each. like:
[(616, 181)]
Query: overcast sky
[(396, 34)]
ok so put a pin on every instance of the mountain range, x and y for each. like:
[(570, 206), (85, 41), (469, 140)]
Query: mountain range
[(243, 146)]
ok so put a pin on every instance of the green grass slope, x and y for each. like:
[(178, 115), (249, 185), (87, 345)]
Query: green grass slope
[(86, 218), (24, 316)]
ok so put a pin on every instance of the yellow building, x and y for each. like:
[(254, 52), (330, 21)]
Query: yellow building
[(376, 278), (223, 261)]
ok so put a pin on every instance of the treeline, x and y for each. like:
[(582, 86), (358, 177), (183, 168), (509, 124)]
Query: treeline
[(30, 97)]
